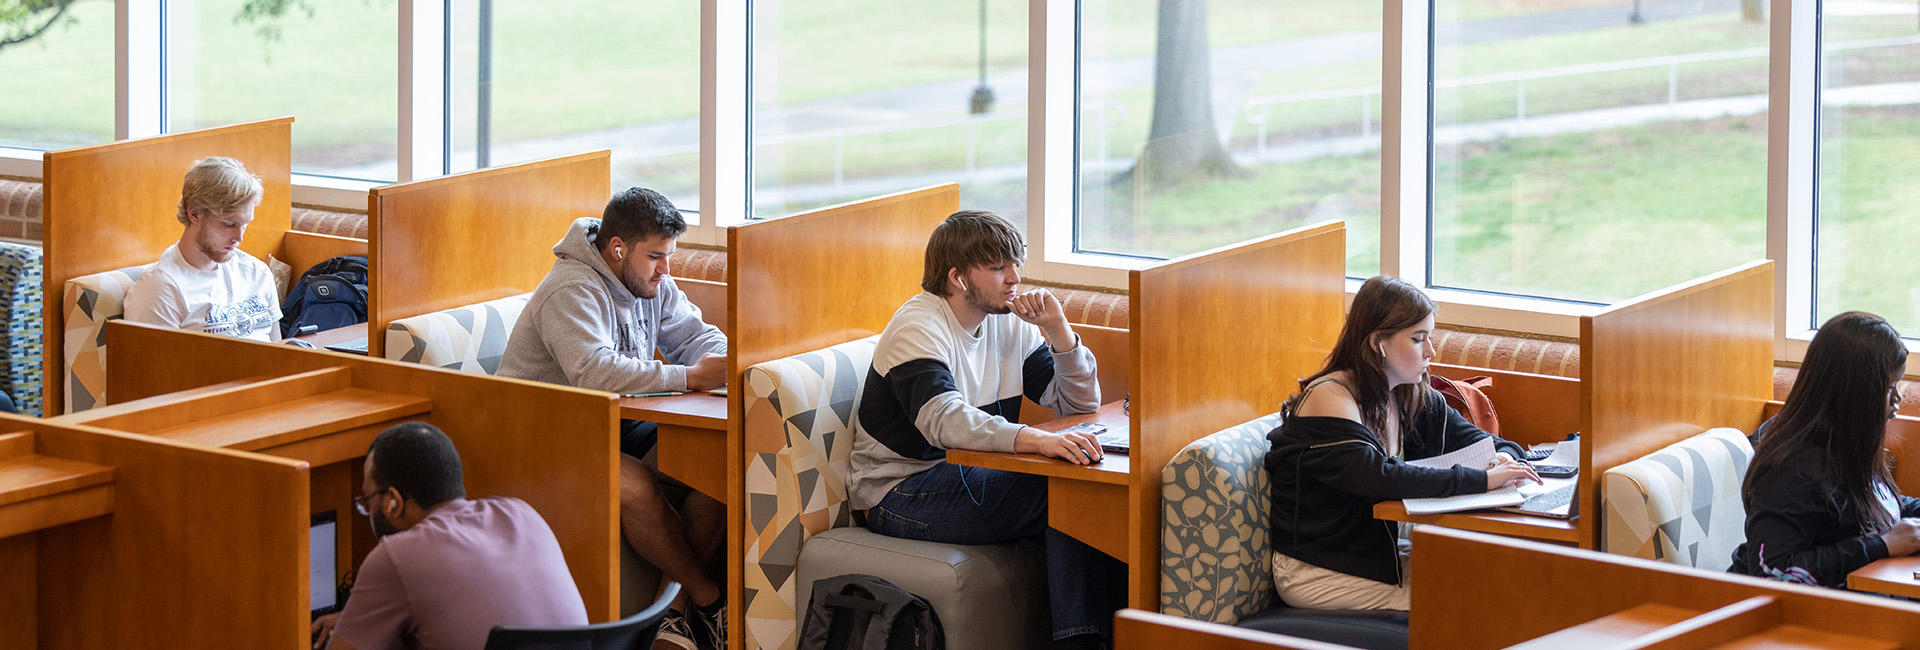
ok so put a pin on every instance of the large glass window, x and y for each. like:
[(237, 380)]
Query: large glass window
[(1595, 150), (1203, 123), (1869, 162), (538, 79), (56, 74), (853, 99), (331, 65)]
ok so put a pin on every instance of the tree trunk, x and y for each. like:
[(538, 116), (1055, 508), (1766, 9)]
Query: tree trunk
[(1753, 11), (1182, 145)]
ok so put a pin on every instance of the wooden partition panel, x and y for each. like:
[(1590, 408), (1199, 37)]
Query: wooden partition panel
[(1539, 589), (1112, 350), (467, 238), (114, 205), (1663, 367), (551, 446), (301, 250), (806, 282), (1220, 338), (206, 548), (710, 297), (1134, 629), (1532, 408)]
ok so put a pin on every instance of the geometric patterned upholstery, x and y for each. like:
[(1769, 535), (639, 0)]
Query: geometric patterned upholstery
[(1215, 556), (1680, 504), (20, 274), (89, 302), (803, 406), (472, 338)]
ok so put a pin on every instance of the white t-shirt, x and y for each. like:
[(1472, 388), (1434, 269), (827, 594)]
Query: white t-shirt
[(237, 298)]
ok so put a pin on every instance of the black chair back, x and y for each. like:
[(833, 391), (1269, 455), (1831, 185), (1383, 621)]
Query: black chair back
[(633, 632)]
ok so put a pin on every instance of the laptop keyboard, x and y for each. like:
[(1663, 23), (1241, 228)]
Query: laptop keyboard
[(1550, 500)]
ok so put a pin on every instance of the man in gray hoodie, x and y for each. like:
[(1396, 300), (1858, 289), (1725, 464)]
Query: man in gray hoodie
[(596, 321)]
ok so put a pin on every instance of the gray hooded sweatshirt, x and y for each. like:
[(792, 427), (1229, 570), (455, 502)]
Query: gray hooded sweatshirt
[(583, 328)]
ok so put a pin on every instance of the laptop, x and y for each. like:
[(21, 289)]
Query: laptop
[(322, 574), (356, 346), (1558, 498)]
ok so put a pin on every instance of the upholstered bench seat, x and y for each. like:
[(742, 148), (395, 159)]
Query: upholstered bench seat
[(472, 338), (988, 597), (1216, 559), (1680, 504)]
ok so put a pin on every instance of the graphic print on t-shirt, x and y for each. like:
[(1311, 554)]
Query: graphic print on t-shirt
[(241, 318)]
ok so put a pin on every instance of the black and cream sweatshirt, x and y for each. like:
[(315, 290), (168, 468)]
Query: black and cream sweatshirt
[(934, 386)]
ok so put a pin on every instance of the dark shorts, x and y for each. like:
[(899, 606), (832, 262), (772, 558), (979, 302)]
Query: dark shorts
[(638, 437)]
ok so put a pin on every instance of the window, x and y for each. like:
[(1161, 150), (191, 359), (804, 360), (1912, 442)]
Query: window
[(535, 80), (857, 99), (1868, 153), (1595, 151), (1202, 124), (57, 88), (331, 65)]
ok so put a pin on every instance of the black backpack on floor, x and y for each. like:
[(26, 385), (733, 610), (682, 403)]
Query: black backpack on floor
[(863, 612), (332, 294)]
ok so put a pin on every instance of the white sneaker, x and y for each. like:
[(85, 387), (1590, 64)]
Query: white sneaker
[(675, 634)]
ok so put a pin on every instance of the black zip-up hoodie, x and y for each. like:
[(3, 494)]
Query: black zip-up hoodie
[(1328, 472), (1809, 533)]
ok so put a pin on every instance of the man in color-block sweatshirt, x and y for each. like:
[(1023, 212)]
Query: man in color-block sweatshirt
[(596, 321), (949, 373)]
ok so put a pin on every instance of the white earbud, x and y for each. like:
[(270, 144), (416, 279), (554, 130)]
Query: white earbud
[(1383, 350), (618, 255), (963, 286)]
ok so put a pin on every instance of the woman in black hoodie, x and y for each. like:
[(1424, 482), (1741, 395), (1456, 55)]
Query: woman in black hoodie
[(1820, 497), (1342, 449)]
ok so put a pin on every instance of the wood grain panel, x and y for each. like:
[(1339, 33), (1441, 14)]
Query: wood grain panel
[(551, 446), (1220, 338), (1112, 350), (1134, 629), (1903, 437), (113, 205), (206, 548), (710, 297), (1663, 367), (1540, 589), (806, 282), (1533, 409), (466, 238), (302, 250), (19, 592)]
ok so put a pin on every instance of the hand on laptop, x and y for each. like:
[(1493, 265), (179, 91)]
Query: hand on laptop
[(1507, 472), (323, 630), (1077, 447)]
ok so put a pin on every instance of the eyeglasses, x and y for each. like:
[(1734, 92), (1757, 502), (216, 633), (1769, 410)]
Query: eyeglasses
[(360, 503)]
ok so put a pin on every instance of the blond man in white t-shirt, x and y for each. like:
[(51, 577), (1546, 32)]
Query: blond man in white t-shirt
[(205, 283)]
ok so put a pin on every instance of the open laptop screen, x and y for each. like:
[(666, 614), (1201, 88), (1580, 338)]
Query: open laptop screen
[(321, 572)]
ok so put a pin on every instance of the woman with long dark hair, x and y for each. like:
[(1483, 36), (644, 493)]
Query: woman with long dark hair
[(1819, 494), (1343, 446)]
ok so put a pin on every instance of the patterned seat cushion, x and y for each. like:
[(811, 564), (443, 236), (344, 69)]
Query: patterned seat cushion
[(89, 302), (802, 406), (1680, 504), (1214, 551), (20, 274), (471, 338)]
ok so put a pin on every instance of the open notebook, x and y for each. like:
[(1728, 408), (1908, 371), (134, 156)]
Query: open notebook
[(1480, 454)]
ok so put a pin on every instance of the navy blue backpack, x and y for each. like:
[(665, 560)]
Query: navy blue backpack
[(330, 295)]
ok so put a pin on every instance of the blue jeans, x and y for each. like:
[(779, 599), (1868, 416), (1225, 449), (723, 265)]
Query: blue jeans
[(951, 504)]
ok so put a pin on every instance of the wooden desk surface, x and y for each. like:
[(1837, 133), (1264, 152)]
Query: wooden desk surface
[(297, 420), (699, 410), (1112, 469), (336, 336), (1511, 524), (1893, 576), (39, 492)]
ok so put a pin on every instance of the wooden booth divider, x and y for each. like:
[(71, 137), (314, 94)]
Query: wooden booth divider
[(125, 541), (1545, 596), (805, 282), (1135, 629), (1665, 366), (113, 205), (551, 446), (468, 238), (1219, 338)]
